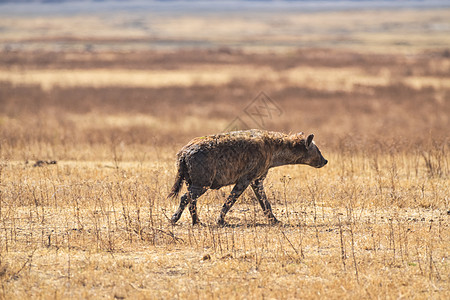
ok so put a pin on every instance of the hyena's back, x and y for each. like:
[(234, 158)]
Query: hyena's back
[(221, 160)]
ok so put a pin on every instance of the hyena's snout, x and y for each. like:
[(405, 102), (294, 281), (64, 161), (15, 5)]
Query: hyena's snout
[(320, 161), (314, 156)]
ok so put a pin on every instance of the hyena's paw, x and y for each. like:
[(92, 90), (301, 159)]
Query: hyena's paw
[(274, 221), (174, 220), (221, 223), (198, 224)]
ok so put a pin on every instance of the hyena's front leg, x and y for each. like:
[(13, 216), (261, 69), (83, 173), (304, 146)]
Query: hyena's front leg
[(238, 189), (258, 189)]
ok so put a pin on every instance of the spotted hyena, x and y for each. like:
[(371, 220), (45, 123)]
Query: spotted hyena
[(241, 158)]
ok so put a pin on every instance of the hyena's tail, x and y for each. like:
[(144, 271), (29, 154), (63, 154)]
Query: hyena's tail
[(178, 179)]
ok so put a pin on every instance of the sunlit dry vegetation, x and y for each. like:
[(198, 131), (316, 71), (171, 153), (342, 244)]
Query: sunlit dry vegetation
[(373, 223)]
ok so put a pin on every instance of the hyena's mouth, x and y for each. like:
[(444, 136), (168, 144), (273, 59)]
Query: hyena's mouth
[(324, 162)]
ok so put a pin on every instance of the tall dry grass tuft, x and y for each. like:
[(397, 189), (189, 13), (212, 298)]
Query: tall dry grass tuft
[(436, 159)]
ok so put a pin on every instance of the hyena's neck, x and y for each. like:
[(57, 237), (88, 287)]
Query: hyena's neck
[(282, 155)]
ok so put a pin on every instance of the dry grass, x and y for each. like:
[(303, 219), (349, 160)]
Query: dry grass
[(74, 101), (367, 226), (331, 79), (373, 223)]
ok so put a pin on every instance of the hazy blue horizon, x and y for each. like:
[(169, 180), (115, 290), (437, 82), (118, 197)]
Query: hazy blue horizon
[(62, 7)]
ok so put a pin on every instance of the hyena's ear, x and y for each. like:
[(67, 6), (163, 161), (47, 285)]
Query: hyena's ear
[(309, 140)]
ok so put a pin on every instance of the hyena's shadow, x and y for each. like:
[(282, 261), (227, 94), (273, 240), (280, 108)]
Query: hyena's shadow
[(253, 225)]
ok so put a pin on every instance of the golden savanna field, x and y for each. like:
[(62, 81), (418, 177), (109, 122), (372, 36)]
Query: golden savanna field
[(93, 109)]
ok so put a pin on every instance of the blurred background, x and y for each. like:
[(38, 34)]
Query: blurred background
[(86, 79)]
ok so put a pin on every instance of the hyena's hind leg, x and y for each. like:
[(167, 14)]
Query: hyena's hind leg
[(258, 189), (238, 189), (194, 193), (183, 202), (189, 198)]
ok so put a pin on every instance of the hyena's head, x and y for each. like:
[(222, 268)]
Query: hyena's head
[(308, 153)]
